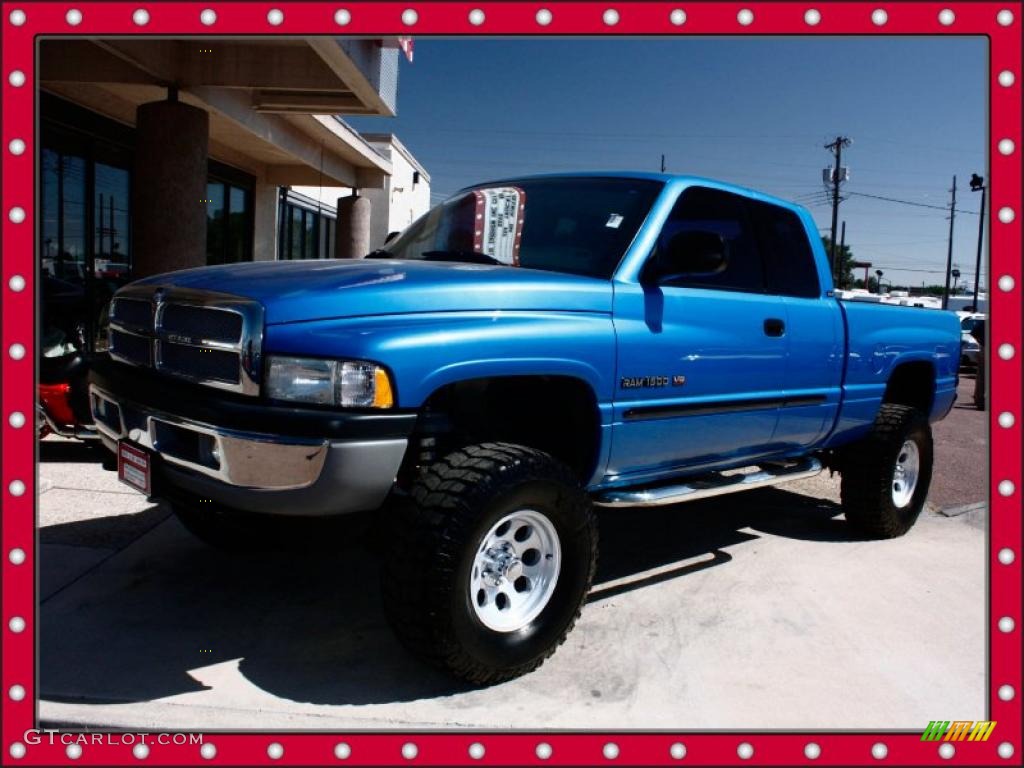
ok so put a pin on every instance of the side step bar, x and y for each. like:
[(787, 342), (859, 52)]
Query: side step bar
[(709, 485)]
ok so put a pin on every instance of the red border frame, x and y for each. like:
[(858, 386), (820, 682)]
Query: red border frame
[(645, 18)]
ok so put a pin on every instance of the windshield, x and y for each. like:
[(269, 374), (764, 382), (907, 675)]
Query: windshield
[(582, 226)]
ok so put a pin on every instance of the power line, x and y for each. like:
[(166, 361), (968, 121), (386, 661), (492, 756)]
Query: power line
[(908, 202)]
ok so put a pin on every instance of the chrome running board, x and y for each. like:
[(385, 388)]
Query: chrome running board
[(708, 485)]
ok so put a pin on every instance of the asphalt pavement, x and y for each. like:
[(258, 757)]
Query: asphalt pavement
[(757, 610)]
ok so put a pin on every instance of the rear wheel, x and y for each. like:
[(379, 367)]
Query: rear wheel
[(887, 474), (490, 561)]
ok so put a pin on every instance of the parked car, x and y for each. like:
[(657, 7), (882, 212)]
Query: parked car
[(970, 349), (625, 340)]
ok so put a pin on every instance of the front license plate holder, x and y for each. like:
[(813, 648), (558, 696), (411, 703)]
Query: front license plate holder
[(135, 466)]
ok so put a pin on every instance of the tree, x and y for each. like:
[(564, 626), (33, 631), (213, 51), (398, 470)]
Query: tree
[(844, 255)]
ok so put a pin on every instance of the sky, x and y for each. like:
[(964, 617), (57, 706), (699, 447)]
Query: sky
[(752, 111)]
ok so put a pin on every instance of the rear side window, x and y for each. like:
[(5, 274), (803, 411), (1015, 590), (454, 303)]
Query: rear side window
[(788, 258), (711, 210)]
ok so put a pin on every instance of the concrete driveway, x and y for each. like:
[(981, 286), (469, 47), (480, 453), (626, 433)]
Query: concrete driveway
[(747, 611)]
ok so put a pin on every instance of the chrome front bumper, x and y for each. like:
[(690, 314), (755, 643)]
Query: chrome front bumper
[(255, 472)]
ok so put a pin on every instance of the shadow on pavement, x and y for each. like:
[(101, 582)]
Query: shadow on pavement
[(169, 615), (70, 451)]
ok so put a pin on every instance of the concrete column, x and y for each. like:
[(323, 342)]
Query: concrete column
[(352, 238), (168, 212), (265, 211)]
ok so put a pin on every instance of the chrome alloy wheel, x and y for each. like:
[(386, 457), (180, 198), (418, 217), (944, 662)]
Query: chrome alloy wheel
[(906, 473), (515, 570)]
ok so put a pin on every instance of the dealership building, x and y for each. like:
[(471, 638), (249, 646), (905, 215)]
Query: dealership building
[(164, 154)]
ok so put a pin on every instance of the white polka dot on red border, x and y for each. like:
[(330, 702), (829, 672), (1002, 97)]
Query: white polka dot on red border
[(1006, 214), (410, 750), (946, 751), (1006, 625), (342, 751), (275, 16), (610, 17), (812, 17), (610, 751), (342, 17), (1006, 556), (1005, 17), (16, 419), (16, 351), (1006, 420), (16, 147), (544, 17), (677, 17), (1006, 283), (16, 692), (879, 751), (17, 750), (878, 18), (208, 751), (73, 751), (946, 17), (1006, 351), (476, 750), (1006, 146), (1006, 78), (543, 750), (140, 751), (16, 625), (745, 17), (17, 17), (1006, 488), (1006, 692), (16, 283), (677, 751), (17, 556), (208, 16), (410, 17), (812, 751), (73, 17), (275, 751), (141, 19), (745, 751), (1005, 750), (16, 214), (16, 488), (16, 78), (477, 17)]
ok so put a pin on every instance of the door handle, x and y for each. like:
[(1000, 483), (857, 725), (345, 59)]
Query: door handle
[(774, 327)]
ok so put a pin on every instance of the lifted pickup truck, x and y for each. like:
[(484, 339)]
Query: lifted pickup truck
[(528, 349)]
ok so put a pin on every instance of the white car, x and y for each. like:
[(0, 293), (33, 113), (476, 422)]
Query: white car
[(969, 346)]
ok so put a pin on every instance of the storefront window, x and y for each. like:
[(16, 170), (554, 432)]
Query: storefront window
[(306, 233), (63, 198), (228, 218)]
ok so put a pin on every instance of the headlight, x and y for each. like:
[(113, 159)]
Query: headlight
[(348, 383)]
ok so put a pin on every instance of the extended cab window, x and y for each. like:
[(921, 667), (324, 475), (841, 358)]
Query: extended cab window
[(787, 252), (700, 209)]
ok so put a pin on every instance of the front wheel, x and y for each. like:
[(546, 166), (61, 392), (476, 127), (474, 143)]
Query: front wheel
[(886, 475), (489, 561)]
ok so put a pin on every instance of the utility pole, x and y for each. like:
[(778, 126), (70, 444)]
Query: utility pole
[(837, 149), (842, 250), (978, 185), (662, 163), (949, 255)]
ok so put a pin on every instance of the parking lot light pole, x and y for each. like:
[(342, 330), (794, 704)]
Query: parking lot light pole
[(978, 185)]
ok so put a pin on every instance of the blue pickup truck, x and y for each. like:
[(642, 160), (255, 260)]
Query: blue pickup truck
[(527, 350)]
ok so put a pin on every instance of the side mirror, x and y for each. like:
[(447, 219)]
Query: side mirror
[(691, 253)]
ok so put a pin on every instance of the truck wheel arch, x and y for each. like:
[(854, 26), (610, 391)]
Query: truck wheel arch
[(557, 414), (912, 383)]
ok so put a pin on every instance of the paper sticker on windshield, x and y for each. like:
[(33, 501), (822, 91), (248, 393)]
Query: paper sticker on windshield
[(499, 223), (614, 221)]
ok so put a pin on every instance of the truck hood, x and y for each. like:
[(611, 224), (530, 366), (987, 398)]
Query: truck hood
[(294, 291)]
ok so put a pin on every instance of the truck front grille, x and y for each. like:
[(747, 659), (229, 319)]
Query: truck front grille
[(210, 338)]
